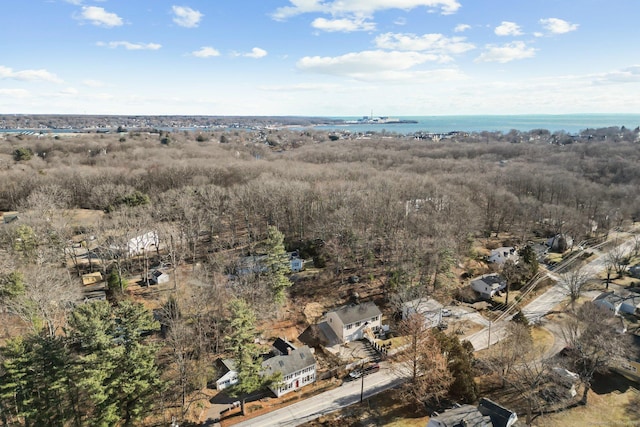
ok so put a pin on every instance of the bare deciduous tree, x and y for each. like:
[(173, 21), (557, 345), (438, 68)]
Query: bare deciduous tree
[(574, 282), (422, 360), (594, 341)]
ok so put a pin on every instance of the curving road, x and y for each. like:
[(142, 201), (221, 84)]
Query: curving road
[(539, 307), (329, 401)]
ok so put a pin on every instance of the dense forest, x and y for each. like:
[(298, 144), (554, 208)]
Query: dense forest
[(402, 213)]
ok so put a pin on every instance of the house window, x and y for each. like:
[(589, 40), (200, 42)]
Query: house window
[(357, 324), (349, 326)]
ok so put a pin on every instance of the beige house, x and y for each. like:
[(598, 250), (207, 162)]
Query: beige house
[(350, 322)]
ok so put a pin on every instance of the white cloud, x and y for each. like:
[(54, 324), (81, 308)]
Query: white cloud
[(302, 87), (28, 75), (99, 17), (361, 7), (627, 75), (256, 52), (359, 65), (206, 52), (92, 83), (186, 17), (344, 25), (427, 42), (507, 28), (558, 26), (69, 91), (461, 28), (15, 93), (506, 53), (130, 46), (75, 2)]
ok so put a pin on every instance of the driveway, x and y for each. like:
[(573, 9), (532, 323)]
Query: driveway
[(539, 307)]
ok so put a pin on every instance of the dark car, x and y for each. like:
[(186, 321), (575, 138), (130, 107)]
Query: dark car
[(371, 369)]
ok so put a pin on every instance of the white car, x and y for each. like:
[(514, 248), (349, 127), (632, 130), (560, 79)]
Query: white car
[(446, 312)]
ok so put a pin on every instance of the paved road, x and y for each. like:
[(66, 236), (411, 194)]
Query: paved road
[(539, 307), (329, 401)]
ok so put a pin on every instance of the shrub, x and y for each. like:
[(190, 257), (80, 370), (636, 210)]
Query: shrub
[(22, 153)]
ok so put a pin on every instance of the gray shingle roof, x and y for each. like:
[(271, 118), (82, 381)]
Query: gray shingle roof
[(297, 360), (467, 413), (360, 312)]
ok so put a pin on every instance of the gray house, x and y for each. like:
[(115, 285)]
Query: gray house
[(351, 322), (427, 307), (488, 285)]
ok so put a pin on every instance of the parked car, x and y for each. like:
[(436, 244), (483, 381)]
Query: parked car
[(446, 312), (354, 375), (371, 369)]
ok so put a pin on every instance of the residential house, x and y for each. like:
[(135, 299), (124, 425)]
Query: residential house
[(429, 308), (281, 347), (295, 262), (559, 242), (501, 255), (500, 416), (91, 278), (488, 285), (351, 322), (143, 243), (486, 414), (256, 264), (158, 277), (618, 302), (463, 415), (229, 377), (298, 369)]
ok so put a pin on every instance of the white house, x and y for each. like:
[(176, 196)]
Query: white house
[(350, 322), (158, 277), (296, 264), (229, 375), (143, 243), (619, 302), (427, 307), (501, 255), (298, 369), (488, 285)]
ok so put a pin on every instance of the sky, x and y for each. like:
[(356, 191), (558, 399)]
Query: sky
[(319, 57)]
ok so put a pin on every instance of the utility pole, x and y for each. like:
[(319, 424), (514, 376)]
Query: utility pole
[(489, 343), (362, 387)]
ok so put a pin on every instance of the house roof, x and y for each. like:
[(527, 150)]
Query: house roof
[(465, 415), (493, 280), (500, 416), (91, 278), (228, 364), (297, 360), (283, 346), (357, 312), (423, 305)]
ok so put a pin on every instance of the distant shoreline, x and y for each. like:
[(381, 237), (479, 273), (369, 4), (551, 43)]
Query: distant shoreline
[(69, 124)]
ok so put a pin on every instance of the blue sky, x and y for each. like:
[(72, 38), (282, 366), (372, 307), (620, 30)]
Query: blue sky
[(320, 57)]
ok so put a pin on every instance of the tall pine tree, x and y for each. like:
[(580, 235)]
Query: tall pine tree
[(277, 265)]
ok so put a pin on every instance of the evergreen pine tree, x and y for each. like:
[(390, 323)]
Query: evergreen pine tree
[(277, 264)]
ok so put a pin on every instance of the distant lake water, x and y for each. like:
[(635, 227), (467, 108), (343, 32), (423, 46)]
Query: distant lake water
[(570, 123)]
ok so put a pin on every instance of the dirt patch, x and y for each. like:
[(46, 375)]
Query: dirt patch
[(313, 312)]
